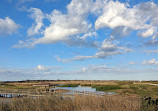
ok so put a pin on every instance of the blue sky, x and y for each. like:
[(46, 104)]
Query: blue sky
[(79, 39)]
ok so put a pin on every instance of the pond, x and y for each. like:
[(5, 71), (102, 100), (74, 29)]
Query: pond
[(11, 95), (84, 88)]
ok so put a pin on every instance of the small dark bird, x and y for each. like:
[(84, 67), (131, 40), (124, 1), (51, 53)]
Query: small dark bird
[(149, 98), (156, 101), (146, 99), (149, 102), (153, 102)]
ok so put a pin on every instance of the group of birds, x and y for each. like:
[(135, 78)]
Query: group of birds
[(150, 101)]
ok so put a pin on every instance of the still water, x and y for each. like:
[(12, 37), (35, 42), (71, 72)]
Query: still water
[(84, 88), (11, 95)]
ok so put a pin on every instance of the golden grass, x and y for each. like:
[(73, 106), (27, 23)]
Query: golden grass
[(78, 103)]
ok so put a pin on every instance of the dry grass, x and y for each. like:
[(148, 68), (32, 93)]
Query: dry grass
[(83, 82), (78, 103)]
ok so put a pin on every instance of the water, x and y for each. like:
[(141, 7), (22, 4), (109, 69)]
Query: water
[(10, 95), (84, 89)]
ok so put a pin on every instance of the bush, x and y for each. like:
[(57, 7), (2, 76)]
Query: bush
[(107, 87), (69, 85)]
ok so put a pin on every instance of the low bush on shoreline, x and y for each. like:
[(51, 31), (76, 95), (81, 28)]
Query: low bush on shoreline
[(69, 85), (106, 87)]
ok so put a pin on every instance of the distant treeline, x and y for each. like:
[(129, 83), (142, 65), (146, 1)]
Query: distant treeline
[(30, 81)]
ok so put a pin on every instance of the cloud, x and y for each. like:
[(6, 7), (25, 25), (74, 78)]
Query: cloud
[(86, 72), (74, 28), (76, 58), (82, 41), (116, 14), (107, 49), (40, 71), (42, 68), (151, 43), (38, 17), (146, 33), (21, 5), (132, 63), (66, 28), (139, 17), (120, 17), (46, 68), (8, 26), (151, 51), (153, 61), (28, 43), (94, 69)]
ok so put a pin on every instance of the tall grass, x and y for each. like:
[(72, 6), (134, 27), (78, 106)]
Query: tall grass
[(78, 103)]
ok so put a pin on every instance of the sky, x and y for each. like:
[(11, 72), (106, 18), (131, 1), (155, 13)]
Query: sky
[(78, 40)]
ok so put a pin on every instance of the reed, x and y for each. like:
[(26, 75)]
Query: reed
[(77, 103)]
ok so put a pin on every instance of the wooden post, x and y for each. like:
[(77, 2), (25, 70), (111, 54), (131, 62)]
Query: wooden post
[(54, 89), (28, 94), (50, 90)]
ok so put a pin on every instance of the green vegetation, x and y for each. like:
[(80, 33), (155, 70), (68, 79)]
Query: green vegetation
[(69, 85), (124, 82), (106, 87), (139, 89), (86, 85), (144, 90)]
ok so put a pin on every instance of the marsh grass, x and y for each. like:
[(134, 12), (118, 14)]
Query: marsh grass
[(69, 85), (143, 90), (106, 87), (78, 103)]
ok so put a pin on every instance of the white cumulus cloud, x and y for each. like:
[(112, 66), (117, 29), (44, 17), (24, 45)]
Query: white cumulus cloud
[(38, 17), (66, 28), (142, 17), (8, 26), (153, 61)]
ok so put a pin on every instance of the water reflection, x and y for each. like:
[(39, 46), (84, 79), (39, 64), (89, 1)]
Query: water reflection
[(83, 89)]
